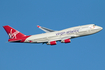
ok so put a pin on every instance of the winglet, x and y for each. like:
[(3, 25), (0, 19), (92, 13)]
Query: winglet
[(38, 26)]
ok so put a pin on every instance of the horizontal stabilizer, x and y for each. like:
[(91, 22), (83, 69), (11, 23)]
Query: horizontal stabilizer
[(15, 40)]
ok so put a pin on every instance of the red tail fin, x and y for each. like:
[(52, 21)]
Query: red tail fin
[(13, 34)]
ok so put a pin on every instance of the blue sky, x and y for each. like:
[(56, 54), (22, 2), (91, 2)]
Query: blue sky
[(84, 53)]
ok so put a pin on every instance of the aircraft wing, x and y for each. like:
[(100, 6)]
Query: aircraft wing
[(45, 29)]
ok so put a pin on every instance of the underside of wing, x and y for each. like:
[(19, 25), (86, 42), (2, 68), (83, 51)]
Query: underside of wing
[(45, 29)]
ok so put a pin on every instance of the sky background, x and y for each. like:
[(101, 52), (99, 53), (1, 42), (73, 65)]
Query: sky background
[(83, 53)]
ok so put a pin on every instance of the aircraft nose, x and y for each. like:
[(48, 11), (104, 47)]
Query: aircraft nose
[(100, 28)]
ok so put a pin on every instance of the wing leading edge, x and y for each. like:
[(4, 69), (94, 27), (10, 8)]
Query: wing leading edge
[(45, 29)]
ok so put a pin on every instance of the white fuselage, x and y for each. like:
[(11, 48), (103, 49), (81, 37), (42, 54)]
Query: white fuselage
[(66, 33)]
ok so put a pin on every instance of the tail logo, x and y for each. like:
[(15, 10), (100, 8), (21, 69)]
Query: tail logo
[(13, 35)]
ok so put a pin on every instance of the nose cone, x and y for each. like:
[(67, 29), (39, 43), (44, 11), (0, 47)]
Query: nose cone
[(100, 28)]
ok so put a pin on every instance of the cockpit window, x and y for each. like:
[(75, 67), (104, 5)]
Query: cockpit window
[(94, 25)]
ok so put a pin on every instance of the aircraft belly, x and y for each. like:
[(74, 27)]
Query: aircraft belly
[(36, 40), (39, 39), (53, 37)]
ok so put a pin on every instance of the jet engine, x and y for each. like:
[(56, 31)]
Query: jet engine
[(52, 43), (65, 41)]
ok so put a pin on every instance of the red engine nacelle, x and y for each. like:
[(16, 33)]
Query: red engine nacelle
[(52, 43), (66, 41)]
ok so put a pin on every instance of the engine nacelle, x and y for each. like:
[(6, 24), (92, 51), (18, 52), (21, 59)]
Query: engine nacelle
[(65, 41), (52, 43)]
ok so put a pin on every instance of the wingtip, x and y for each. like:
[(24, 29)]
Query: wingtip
[(38, 26)]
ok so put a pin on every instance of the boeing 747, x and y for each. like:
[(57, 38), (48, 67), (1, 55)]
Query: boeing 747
[(51, 37)]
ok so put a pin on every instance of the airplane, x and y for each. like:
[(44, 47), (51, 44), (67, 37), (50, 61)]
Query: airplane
[(51, 37)]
